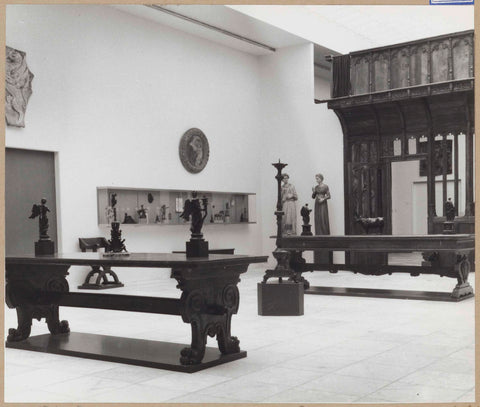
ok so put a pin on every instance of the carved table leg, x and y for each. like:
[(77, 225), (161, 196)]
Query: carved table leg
[(226, 342), (195, 353), (55, 326), (108, 270), (24, 317), (208, 306), (31, 291), (462, 268)]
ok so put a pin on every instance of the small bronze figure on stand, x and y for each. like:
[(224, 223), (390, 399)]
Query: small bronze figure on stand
[(197, 210), (449, 224), (306, 227), (44, 245), (116, 244)]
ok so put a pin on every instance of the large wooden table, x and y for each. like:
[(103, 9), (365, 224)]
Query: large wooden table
[(444, 255), (36, 287)]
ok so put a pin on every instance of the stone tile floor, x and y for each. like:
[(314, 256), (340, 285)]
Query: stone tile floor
[(344, 349)]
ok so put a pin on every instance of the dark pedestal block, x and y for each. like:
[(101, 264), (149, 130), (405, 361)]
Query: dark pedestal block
[(280, 299), (44, 247), (140, 352), (197, 248), (307, 230)]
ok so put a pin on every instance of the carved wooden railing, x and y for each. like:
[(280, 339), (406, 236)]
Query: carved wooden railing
[(413, 64)]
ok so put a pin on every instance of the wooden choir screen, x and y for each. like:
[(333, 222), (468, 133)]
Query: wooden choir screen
[(410, 101)]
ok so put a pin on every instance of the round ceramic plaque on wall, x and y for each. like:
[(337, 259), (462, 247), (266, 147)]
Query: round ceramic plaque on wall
[(194, 150)]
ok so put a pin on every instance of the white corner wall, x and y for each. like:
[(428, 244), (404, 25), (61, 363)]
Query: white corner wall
[(306, 136), (113, 94)]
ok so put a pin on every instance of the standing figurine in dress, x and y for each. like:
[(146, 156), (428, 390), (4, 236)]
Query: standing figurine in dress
[(289, 207), (321, 193)]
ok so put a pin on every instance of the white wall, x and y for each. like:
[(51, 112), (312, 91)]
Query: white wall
[(322, 87), (113, 94), (404, 174), (304, 135)]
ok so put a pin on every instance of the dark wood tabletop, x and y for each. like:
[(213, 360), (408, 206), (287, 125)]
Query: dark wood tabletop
[(135, 259), (390, 243)]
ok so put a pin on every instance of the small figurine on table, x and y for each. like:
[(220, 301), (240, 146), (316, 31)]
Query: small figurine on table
[(197, 246), (109, 214), (44, 244), (449, 224), (113, 202), (305, 212), (306, 227), (192, 208), (128, 219), (142, 214), (41, 211), (449, 210), (163, 213), (227, 213)]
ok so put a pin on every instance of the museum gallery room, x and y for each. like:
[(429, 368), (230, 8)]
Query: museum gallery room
[(239, 204)]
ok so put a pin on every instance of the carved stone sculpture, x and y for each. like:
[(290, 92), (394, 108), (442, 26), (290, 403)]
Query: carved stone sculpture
[(18, 87)]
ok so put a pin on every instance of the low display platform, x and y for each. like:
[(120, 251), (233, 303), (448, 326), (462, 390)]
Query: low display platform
[(132, 351), (383, 293)]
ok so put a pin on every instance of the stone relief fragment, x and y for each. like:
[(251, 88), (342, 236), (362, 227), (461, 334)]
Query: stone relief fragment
[(18, 87)]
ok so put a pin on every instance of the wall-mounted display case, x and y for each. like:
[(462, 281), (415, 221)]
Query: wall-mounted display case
[(164, 206)]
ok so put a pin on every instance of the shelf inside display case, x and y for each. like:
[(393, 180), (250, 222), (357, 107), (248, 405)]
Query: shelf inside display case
[(164, 206)]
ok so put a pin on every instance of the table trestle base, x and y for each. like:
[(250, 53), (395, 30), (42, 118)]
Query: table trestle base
[(132, 351)]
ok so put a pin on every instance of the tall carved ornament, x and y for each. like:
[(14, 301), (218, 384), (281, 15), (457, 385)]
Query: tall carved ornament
[(18, 87)]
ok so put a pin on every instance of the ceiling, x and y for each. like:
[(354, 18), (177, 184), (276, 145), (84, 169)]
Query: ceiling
[(375, 26), (229, 27), (199, 19), (260, 29), (351, 28)]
